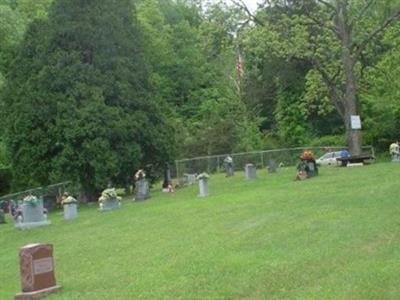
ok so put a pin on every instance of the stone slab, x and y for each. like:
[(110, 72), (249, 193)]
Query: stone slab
[(250, 172), (142, 190), (29, 225), (110, 205), (37, 294), (36, 269), (70, 211), (203, 187)]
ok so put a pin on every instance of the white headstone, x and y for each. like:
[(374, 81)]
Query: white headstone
[(203, 187)]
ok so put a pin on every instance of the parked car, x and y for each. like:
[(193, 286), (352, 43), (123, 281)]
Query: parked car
[(328, 159)]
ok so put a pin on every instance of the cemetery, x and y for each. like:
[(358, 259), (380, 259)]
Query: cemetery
[(199, 149), (247, 237)]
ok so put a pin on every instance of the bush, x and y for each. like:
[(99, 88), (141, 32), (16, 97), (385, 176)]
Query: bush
[(5, 181), (329, 140)]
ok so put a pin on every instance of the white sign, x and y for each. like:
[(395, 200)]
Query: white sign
[(355, 122), (43, 265)]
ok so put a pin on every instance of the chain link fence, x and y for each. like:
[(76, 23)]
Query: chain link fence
[(185, 168), (50, 194)]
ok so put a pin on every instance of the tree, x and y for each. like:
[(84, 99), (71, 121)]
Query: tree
[(84, 68), (192, 69), (333, 36)]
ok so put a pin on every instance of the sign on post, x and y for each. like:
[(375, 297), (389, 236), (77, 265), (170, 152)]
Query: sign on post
[(355, 122)]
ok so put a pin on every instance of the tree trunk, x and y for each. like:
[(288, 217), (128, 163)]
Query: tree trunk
[(350, 104)]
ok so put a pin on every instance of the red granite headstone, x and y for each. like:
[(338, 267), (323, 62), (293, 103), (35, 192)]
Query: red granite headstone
[(37, 271)]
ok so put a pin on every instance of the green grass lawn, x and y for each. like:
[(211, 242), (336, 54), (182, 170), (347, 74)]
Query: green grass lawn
[(336, 236)]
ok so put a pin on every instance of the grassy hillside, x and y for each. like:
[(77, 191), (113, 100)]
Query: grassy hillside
[(336, 236)]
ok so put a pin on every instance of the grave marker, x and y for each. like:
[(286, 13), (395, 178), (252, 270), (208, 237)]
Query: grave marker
[(37, 271), (250, 172), (203, 184), (31, 214)]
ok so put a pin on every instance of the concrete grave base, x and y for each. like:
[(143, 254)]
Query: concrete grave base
[(29, 225), (37, 294)]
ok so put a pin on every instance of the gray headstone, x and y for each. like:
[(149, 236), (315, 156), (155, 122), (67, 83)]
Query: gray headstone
[(312, 169), (229, 170), (32, 213), (110, 204), (70, 211), (32, 216), (203, 187), (142, 190), (272, 166), (395, 158), (250, 172), (189, 179)]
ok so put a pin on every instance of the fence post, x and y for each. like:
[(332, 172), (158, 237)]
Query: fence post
[(262, 160), (177, 171)]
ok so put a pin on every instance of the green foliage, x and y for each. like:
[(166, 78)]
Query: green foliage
[(193, 69), (335, 42), (12, 27), (97, 123), (329, 140), (5, 180), (223, 125), (291, 117), (33, 9), (381, 95)]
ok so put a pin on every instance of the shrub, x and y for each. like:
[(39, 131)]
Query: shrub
[(5, 181)]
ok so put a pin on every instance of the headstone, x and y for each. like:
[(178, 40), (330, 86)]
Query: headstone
[(394, 151), (272, 166), (37, 271), (70, 211), (312, 169), (32, 215), (395, 158), (250, 172), (189, 179), (228, 164), (203, 187), (2, 218), (142, 190), (109, 200), (110, 204), (70, 206)]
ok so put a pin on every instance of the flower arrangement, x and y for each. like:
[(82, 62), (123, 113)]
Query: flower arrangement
[(140, 174), (68, 199), (109, 194), (31, 200), (307, 155), (203, 175)]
